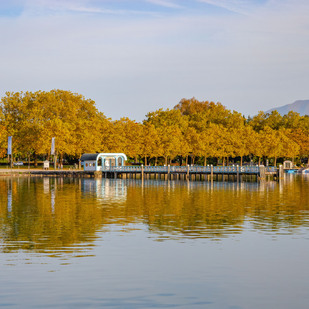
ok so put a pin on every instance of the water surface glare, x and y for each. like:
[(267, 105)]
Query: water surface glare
[(86, 243)]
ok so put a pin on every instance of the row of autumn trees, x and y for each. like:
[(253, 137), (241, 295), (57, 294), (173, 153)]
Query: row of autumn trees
[(193, 129)]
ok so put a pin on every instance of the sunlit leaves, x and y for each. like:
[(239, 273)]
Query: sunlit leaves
[(195, 129)]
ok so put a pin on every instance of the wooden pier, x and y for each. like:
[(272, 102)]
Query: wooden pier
[(202, 173), (223, 173)]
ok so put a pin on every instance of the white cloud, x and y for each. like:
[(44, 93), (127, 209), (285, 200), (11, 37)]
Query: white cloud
[(237, 6), (62, 7), (164, 3)]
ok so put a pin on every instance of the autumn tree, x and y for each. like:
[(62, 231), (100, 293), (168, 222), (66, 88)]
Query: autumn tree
[(3, 136), (301, 138), (34, 118), (127, 135), (193, 142), (161, 118), (150, 143)]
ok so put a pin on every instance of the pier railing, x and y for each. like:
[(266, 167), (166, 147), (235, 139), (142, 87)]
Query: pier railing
[(233, 172), (233, 169), (271, 169)]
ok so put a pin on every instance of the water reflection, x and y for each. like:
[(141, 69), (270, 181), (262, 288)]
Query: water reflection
[(9, 201), (105, 189), (62, 214)]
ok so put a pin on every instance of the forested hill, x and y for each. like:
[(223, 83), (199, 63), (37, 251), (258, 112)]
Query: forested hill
[(300, 106)]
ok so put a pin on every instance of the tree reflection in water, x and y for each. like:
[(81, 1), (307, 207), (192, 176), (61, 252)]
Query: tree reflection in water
[(63, 214)]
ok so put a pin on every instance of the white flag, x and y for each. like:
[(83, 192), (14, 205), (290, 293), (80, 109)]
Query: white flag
[(52, 151), (10, 145)]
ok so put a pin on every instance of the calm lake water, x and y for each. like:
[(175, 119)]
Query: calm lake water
[(85, 243)]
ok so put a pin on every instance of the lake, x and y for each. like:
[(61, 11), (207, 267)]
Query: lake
[(87, 243)]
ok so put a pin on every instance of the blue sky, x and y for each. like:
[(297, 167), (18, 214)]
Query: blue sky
[(133, 57)]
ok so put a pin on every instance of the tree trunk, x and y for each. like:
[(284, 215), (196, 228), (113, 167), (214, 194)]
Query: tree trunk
[(61, 160), (240, 160), (186, 160), (79, 162), (35, 160), (223, 161), (275, 163), (193, 159), (156, 161), (205, 161), (165, 161), (145, 160)]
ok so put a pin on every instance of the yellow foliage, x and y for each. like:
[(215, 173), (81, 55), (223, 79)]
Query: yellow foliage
[(193, 128)]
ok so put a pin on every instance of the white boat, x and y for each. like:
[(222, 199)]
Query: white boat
[(304, 170)]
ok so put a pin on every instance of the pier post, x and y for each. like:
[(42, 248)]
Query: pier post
[(281, 172), (142, 172), (211, 172), (262, 171), (97, 174)]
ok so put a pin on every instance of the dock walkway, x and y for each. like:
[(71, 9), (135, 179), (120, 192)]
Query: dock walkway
[(229, 173), (234, 173)]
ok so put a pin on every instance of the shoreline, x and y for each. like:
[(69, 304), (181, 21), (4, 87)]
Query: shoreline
[(41, 172)]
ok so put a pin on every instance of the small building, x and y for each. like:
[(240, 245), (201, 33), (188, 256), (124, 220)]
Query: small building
[(288, 165), (46, 165), (93, 162)]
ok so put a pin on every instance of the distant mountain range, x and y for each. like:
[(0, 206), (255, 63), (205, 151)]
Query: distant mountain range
[(300, 106)]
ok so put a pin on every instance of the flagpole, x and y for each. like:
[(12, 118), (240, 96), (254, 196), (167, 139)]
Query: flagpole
[(52, 151), (10, 151)]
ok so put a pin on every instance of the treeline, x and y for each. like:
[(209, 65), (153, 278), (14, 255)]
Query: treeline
[(198, 132)]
